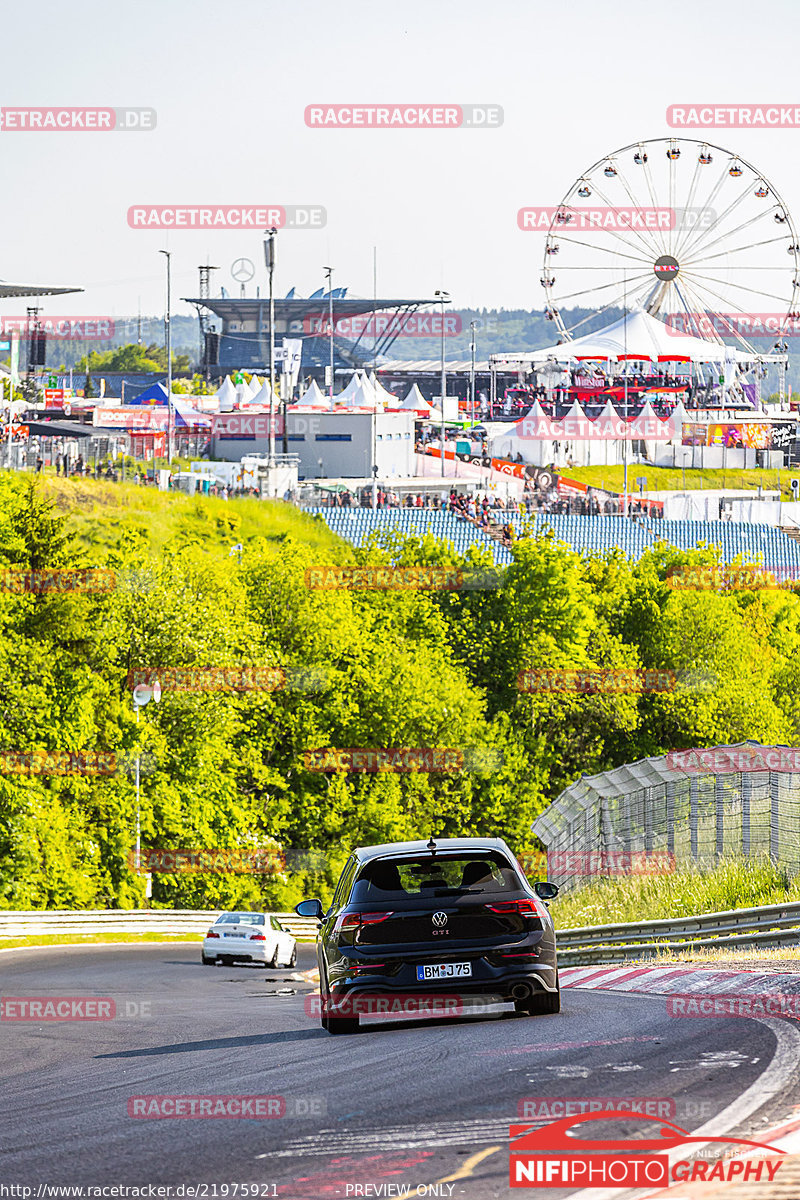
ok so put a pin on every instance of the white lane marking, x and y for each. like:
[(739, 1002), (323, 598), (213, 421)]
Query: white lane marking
[(714, 1060), (397, 1137), (777, 1077), (570, 1072)]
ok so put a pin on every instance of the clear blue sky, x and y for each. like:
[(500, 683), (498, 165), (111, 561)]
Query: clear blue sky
[(230, 84)]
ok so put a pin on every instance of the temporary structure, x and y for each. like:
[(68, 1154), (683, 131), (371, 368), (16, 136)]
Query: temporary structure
[(313, 397), (226, 395), (637, 336)]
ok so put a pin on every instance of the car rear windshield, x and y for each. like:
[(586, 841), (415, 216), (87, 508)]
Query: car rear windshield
[(415, 878), (240, 919)]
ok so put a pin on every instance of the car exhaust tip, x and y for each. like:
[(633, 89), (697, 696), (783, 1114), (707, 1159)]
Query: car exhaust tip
[(521, 991)]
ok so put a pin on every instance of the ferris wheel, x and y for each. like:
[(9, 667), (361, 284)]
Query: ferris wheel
[(691, 233)]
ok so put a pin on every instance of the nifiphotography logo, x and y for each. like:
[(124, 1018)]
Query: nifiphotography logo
[(549, 1156)]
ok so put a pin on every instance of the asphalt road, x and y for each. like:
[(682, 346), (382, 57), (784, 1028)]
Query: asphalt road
[(411, 1103)]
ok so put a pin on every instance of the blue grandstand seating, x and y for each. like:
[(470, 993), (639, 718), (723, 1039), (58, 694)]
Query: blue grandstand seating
[(754, 543), (356, 524)]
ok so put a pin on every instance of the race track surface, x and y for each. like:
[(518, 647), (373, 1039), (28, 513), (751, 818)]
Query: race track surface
[(416, 1104)]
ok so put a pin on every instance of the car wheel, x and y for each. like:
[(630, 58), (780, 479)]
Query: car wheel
[(208, 962), (293, 960), (541, 1004), (273, 962)]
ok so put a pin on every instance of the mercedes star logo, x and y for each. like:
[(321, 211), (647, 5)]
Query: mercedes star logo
[(242, 270), (439, 919)]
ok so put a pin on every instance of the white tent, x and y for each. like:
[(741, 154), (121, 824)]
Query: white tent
[(226, 395), (353, 389), (383, 397), (415, 401), (261, 398), (358, 393), (635, 334), (313, 397)]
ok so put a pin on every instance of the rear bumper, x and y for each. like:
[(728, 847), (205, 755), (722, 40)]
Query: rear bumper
[(489, 986), (240, 952)]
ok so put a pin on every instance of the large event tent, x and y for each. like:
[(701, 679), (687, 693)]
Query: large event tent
[(637, 336)]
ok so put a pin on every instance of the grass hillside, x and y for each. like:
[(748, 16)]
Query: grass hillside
[(98, 512)]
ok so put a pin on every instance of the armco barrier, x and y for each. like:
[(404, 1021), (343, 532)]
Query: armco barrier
[(136, 920), (764, 927)]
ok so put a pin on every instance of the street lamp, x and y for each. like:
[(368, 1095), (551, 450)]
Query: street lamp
[(329, 276), (625, 507), (269, 255), (472, 327), (143, 693), (444, 298), (168, 329)]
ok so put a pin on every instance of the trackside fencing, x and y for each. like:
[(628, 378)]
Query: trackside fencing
[(765, 927), (688, 806), (137, 920), (744, 928)]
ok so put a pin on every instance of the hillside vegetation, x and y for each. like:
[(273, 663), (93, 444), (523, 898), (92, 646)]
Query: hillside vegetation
[(380, 668)]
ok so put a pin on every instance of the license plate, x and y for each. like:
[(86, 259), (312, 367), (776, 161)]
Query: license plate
[(444, 971), (236, 935)]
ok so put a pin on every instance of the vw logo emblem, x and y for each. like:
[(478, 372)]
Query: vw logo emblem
[(242, 270), (439, 919)]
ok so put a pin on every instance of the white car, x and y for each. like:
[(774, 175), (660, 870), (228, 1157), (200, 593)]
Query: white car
[(249, 937)]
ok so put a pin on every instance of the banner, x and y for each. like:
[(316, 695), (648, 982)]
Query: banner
[(131, 417), (751, 435)]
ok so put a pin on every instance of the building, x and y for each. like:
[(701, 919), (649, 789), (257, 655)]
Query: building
[(329, 445), (242, 343)]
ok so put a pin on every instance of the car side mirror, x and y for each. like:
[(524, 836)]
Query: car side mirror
[(310, 908), (546, 891)]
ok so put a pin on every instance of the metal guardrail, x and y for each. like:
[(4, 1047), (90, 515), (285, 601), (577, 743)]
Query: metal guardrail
[(139, 920), (766, 926)]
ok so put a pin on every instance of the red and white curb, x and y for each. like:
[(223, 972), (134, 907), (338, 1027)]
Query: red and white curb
[(679, 981), (683, 981)]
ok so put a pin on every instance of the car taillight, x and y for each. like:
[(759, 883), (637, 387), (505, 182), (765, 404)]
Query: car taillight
[(212, 934), (257, 937), (525, 908), (356, 920)]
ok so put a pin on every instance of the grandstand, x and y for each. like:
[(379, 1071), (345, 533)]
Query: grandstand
[(356, 524), (776, 550), (754, 543)]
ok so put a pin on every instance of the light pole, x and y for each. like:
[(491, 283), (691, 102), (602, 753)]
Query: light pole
[(168, 325), (444, 298), (329, 276), (472, 326), (625, 380), (269, 255), (142, 694)]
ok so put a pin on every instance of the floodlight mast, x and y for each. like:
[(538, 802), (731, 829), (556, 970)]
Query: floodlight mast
[(269, 255)]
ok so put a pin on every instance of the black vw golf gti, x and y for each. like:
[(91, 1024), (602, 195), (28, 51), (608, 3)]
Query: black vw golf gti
[(454, 917)]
